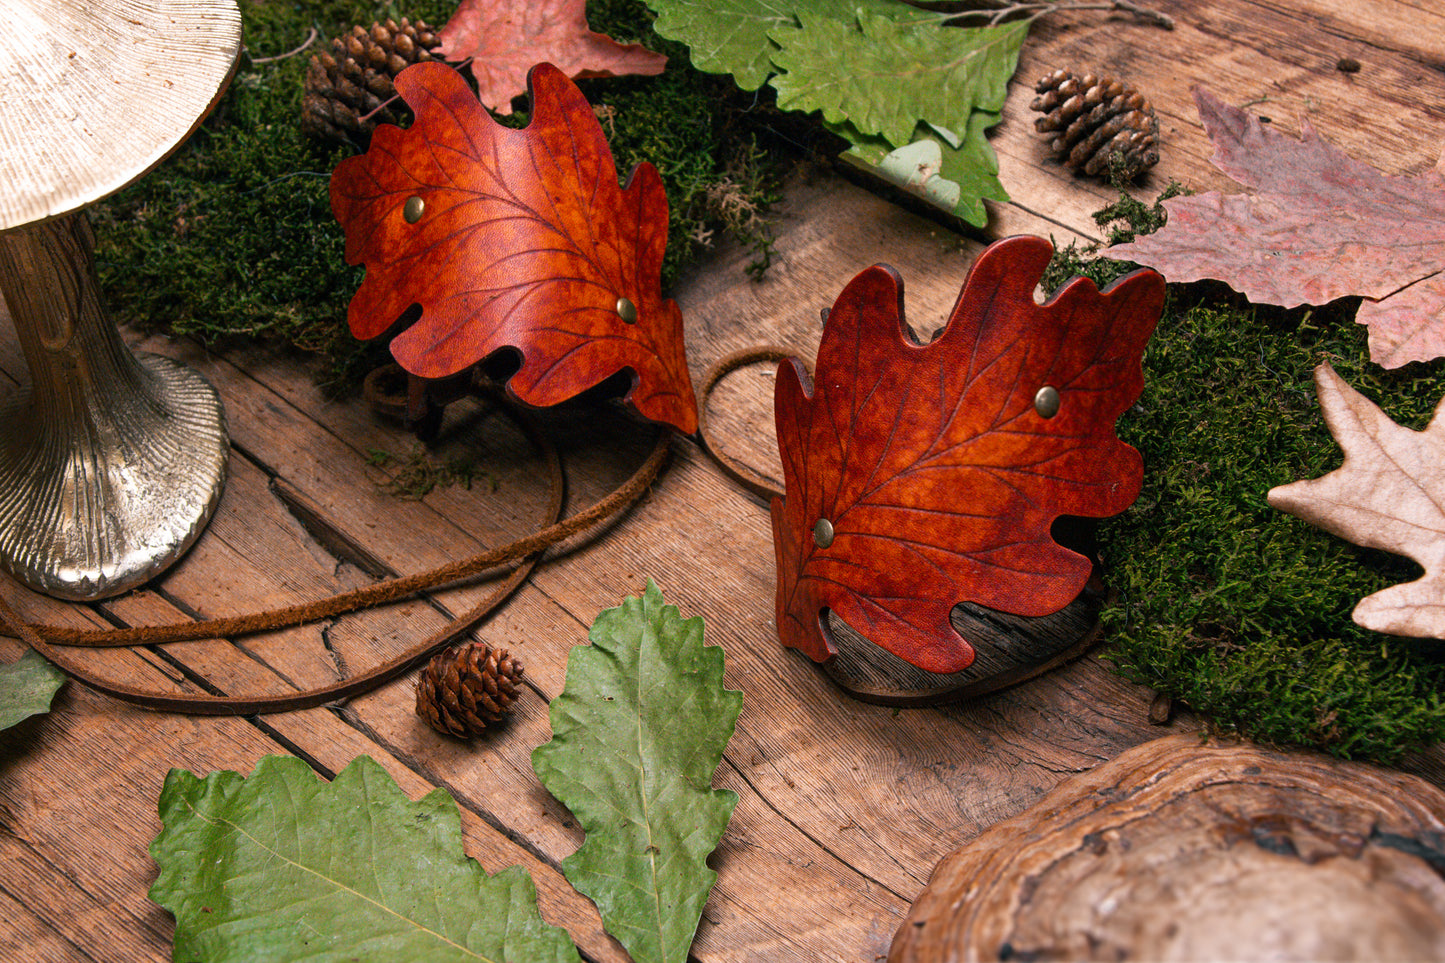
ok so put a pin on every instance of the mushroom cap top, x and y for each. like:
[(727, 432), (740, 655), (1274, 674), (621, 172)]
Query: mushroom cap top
[(96, 94)]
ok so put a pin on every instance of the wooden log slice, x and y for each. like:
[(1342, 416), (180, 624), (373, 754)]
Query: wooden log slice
[(1182, 850)]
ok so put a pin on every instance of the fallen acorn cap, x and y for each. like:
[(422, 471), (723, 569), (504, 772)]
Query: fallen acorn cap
[(464, 690)]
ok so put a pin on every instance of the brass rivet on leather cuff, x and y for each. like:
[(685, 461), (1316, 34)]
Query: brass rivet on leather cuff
[(626, 310), (1046, 401), (413, 209), (823, 533)]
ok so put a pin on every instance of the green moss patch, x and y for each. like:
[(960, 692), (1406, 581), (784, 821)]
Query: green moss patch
[(1241, 611)]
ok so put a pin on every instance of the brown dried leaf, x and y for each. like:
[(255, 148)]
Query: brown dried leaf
[(1320, 225), (522, 240), (935, 469), (1389, 494), (504, 39)]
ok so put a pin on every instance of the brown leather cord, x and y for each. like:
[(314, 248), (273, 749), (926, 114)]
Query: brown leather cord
[(245, 705), (378, 593), (731, 467), (523, 554)]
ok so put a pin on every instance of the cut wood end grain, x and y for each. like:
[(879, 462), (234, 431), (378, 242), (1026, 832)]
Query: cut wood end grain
[(1186, 850)]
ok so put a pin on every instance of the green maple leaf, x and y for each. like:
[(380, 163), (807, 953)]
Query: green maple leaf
[(885, 75), (952, 172), (27, 686), (281, 866), (638, 730)]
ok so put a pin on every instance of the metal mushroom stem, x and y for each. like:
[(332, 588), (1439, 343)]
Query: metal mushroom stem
[(113, 464)]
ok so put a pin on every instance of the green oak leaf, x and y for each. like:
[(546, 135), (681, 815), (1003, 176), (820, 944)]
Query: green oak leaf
[(731, 36), (281, 866), (879, 72), (884, 75), (725, 36), (956, 174), (637, 732), (27, 686)]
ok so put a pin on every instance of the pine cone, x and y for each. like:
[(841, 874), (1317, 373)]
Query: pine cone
[(1097, 117), (346, 86), (463, 690)]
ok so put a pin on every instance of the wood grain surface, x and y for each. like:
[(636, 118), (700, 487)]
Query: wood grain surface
[(1301, 856), (845, 806)]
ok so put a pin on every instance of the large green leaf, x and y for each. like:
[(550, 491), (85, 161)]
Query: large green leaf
[(637, 732), (281, 866), (884, 75), (731, 36), (955, 173), (912, 96), (725, 36), (26, 687)]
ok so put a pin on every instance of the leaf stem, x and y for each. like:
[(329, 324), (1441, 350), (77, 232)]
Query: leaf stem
[(310, 39), (954, 13)]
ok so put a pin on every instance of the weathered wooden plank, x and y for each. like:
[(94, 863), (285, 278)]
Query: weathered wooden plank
[(55, 918), (491, 780), (28, 937), (78, 798), (1242, 50), (83, 766), (245, 527)]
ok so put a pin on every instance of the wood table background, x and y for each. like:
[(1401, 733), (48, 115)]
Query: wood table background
[(845, 807)]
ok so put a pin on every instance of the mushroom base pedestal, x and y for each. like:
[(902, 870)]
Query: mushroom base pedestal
[(113, 464)]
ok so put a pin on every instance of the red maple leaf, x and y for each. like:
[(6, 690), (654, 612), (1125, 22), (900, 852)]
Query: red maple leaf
[(935, 467), (504, 39), (513, 239), (1319, 225)]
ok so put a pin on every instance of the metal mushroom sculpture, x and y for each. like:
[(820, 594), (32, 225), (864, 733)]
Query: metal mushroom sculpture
[(113, 463)]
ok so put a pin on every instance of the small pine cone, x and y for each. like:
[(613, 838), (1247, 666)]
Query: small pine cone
[(463, 690), (1095, 118), (346, 85)]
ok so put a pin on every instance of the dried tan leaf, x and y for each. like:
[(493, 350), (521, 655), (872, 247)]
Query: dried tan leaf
[(1389, 494)]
